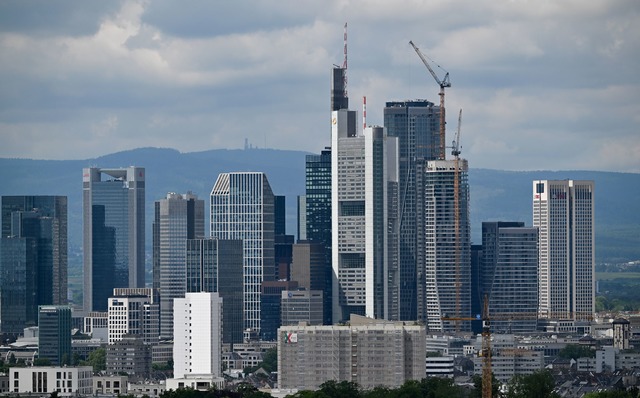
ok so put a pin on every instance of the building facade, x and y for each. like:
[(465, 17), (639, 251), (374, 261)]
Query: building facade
[(33, 258), (443, 245), (509, 275), (177, 218), (364, 220), (197, 340), (215, 266), (113, 232), (369, 352), (301, 306), (66, 381), (416, 124), (131, 313), (564, 213), (54, 334), (242, 207), (131, 356)]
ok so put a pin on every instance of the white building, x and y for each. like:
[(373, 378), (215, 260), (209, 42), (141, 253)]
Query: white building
[(67, 381), (197, 335), (369, 352), (242, 207), (440, 366), (364, 205), (564, 213), (135, 314)]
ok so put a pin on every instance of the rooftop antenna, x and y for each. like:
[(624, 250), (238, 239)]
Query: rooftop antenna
[(364, 112), (344, 63)]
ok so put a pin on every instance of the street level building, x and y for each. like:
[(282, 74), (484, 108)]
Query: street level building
[(66, 381)]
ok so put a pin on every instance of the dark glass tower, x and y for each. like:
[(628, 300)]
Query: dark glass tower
[(416, 124), (54, 334), (113, 232)]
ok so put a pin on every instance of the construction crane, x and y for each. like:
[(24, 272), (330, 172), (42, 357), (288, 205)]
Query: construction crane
[(444, 83), (455, 151)]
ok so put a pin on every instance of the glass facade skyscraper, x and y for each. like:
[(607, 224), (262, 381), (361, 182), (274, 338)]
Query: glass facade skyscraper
[(177, 218), (242, 207), (113, 232), (54, 334)]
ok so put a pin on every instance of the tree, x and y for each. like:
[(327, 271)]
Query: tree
[(98, 359), (343, 389), (477, 383), (575, 351), (537, 385), (41, 362)]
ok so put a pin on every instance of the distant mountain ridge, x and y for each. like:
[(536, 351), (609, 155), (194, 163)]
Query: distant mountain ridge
[(495, 194)]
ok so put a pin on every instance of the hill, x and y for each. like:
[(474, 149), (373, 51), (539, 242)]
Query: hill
[(495, 194)]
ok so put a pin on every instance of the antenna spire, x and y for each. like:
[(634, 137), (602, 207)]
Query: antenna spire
[(344, 63)]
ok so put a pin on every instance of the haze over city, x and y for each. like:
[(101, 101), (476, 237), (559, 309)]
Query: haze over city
[(544, 85)]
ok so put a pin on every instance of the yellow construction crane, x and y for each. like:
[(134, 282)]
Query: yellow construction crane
[(455, 151), (444, 83)]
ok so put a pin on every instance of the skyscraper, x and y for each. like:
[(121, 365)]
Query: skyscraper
[(242, 207), (364, 220), (215, 266), (33, 261), (113, 232), (197, 347), (54, 334), (177, 218), (564, 213), (443, 253), (509, 275), (416, 124)]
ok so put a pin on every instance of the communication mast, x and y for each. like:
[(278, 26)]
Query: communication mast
[(444, 83)]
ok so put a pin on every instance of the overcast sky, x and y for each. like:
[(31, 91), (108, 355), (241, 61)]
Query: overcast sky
[(545, 84)]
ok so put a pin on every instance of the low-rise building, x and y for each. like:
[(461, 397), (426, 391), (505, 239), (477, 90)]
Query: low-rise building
[(116, 384), (440, 366), (66, 381), (369, 352)]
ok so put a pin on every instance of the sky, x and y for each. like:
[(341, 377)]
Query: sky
[(544, 84)]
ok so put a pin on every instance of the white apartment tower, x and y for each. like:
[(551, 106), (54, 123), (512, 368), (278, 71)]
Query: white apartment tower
[(242, 207), (364, 219), (197, 335), (563, 210), (443, 244)]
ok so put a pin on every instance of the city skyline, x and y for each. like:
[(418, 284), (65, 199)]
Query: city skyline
[(123, 75)]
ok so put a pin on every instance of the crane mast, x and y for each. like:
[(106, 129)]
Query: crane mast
[(443, 84), (455, 151)]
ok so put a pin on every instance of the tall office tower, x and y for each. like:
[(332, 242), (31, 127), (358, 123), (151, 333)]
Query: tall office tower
[(301, 210), (270, 304), (43, 219), (318, 216), (564, 213), (133, 312), (54, 334), (33, 258), (113, 232), (177, 218), (364, 220), (242, 207), (197, 336), (509, 275), (309, 267), (443, 254), (339, 99), (215, 266), (417, 125)]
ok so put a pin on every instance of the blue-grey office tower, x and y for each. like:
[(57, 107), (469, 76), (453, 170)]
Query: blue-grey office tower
[(416, 124), (33, 262), (113, 232), (54, 334)]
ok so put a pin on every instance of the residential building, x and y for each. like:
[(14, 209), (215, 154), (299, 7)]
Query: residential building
[(177, 218), (242, 207), (66, 381), (364, 220), (116, 385), (416, 124), (215, 266), (563, 211), (509, 276), (33, 258), (54, 334), (197, 341), (131, 356), (113, 232), (444, 244), (369, 352)]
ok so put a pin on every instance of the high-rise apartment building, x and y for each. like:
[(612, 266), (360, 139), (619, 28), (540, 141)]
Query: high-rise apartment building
[(416, 124), (33, 261), (509, 275), (215, 266), (113, 232), (197, 341), (54, 334), (564, 213), (242, 207), (443, 244), (364, 219), (177, 218)]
